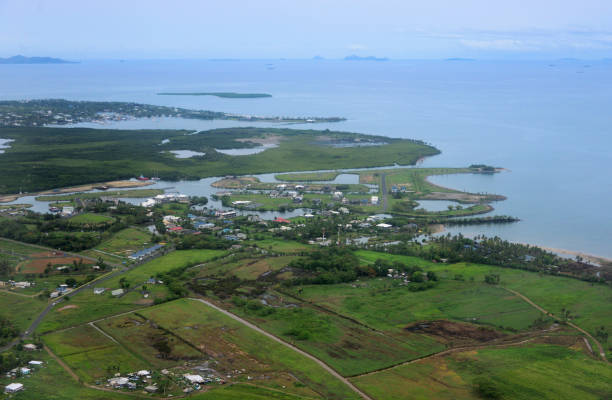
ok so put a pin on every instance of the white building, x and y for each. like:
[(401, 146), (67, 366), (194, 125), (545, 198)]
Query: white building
[(117, 292), (13, 387), (35, 363), (30, 346), (374, 200), (99, 290), (194, 378)]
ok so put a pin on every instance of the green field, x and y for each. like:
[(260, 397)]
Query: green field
[(537, 371), (19, 248), (217, 333), (21, 310), (52, 382), (89, 353), (282, 246), (588, 303), (308, 176), (134, 193), (72, 156), (125, 242), (90, 218)]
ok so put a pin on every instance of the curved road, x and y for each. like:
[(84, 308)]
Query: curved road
[(602, 353), (292, 347)]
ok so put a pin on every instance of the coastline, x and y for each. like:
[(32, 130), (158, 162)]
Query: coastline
[(122, 184), (589, 257)]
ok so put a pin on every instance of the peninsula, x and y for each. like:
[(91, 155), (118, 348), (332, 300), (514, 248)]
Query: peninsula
[(224, 95), (19, 59)]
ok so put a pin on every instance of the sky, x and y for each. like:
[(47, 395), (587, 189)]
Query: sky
[(405, 29)]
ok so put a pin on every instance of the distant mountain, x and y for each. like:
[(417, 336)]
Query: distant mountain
[(355, 57), (460, 59), (34, 60)]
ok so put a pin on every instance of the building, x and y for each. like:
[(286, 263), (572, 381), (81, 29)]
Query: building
[(99, 290), (193, 378), (13, 387), (383, 225), (374, 200), (24, 371), (30, 347), (117, 292), (35, 363), (139, 255), (67, 210)]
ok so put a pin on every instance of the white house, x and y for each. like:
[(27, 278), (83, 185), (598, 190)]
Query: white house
[(35, 363), (99, 290), (194, 378), (384, 226), (24, 371), (30, 346), (374, 200), (13, 387), (117, 292)]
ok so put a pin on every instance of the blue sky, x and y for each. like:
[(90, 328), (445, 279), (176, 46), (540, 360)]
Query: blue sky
[(83, 29)]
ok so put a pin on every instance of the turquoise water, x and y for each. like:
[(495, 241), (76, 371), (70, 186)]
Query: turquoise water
[(549, 125)]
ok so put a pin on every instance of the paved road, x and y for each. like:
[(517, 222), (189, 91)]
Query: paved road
[(602, 353), (289, 345), (383, 187)]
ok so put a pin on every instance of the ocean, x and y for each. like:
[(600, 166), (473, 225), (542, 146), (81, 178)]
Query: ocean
[(548, 123)]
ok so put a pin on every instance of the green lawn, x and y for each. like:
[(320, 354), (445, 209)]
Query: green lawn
[(20, 310), (538, 371), (283, 246), (134, 193)]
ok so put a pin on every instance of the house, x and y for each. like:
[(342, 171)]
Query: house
[(24, 371), (374, 200), (13, 387), (117, 292), (308, 216), (35, 363), (225, 214), (62, 288), (383, 225), (193, 378), (22, 285), (67, 210), (30, 347), (241, 202), (344, 210), (53, 295), (118, 381), (150, 389), (99, 290), (337, 195), (143, 372), (282, 220)]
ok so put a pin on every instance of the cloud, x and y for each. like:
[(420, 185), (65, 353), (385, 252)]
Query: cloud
[(499, 44)]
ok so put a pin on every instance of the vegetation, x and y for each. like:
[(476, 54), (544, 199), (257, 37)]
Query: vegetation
[(307, 176), (68, 157)]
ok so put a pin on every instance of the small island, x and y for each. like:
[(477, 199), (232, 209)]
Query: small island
[(19, 59), (224, 95), (355, 57)]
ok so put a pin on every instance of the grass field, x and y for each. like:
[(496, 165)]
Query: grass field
[(308, 176), (39, 262), (10, 247), (90, 218), (134, 193), (283, 246), (346, 346), (89, 353), (52, 382), (20, 310), (237, 346), (537, 371), (589, 304), (125, 242)]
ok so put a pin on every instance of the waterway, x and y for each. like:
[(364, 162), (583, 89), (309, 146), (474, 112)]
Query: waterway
[(547, 122)]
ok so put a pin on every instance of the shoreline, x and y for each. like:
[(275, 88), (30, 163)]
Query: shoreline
[(589, 257), (122, 184)]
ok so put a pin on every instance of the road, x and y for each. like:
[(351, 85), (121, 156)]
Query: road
[(383, 186), (89, 285), (602, 353), (289, 345)]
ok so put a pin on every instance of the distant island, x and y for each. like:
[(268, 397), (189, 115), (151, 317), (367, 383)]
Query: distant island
[(354, 57), (225, 95), (34, 60), (460, 59)]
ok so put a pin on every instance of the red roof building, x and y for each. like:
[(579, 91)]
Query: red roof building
[(282, 220)]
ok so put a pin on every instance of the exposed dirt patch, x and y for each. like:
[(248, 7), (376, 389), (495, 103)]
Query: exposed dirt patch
[(269, 139), (235, 183), (38, 265), (68, 307), (453, 331)]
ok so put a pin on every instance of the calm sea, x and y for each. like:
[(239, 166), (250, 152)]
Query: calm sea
[(548, 123)]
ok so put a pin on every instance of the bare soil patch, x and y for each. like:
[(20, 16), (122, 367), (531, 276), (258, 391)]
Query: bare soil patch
[(68, 307), (268, 139), (38, 265), (453, 331)]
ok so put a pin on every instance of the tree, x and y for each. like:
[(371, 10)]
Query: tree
[(71, 282)]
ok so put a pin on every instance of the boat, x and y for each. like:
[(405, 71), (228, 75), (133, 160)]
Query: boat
[(143, 178)]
